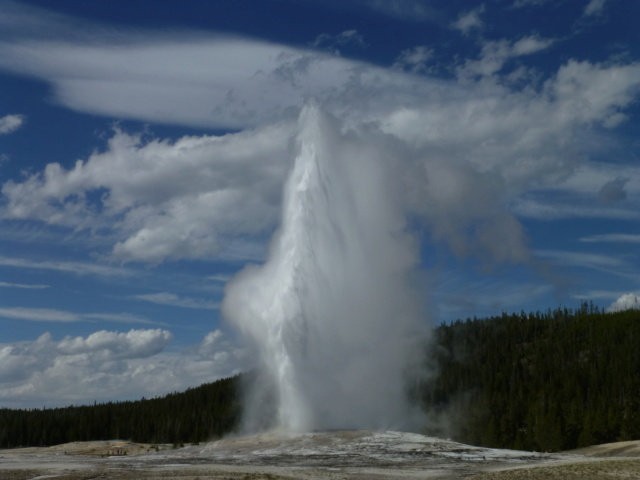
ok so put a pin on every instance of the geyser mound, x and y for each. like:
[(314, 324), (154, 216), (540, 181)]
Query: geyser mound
[(332, 312)]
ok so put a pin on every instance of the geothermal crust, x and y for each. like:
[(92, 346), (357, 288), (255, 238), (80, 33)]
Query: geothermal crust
[(282, 455)]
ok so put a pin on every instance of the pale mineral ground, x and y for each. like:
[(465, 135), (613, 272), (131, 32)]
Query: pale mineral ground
[(331, 455)]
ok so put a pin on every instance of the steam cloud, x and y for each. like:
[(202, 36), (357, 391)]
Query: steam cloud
[(332, 312)]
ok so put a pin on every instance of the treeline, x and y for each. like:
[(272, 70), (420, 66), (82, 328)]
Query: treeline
[(195, 415), (549, 381)]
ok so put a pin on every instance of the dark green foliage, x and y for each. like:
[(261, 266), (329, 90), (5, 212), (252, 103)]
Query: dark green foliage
[(196, 415), (548, 382)]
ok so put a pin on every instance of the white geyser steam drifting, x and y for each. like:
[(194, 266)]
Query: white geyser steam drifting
[(332, 312)]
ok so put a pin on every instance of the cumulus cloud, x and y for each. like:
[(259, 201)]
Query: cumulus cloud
[(116, 345), (10, 123), (469, 21), (108, 365), (625, 302), (473, 150), (414, 59), (594, 7), (166, 200), (496, 53)]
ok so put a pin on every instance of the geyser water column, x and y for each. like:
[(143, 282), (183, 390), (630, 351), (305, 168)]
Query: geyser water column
[(332, 311)]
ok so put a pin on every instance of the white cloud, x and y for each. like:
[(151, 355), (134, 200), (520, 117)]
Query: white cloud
[(470, 20), (10, 123), (22, 285), (179, 80), (39, 314), (496, 53), (120, 318), (625, 302), (116, 345), (593, 190), (414, 59), (52, 315), (612, 238), (594, 7), (468, 148), (108, 366), (552, 209), (166, 298), (166, 200)]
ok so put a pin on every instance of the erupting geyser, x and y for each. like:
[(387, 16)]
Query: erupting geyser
[(332, 311)]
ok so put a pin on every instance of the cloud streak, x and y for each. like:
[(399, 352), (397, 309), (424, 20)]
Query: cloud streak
[(612, 238), (22, 285), (39, 314), (52, 315), (78, 268), (166, 298)]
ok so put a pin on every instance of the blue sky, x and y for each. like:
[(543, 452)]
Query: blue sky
[(144, 147)]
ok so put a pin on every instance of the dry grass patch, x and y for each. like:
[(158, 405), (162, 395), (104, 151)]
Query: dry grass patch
[(594, 470)]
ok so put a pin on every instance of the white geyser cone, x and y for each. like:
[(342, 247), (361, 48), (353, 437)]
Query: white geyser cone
[(332, 311)]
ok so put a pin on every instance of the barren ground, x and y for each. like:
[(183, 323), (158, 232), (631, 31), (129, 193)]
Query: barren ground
[(322, 455)]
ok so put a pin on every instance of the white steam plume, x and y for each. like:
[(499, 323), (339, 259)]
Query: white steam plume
[(332, 312)]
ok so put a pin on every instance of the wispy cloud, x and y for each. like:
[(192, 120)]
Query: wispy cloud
[(612, 238), (585, 260), (22, 285), (534, 206), (52, 315), (527, 3), (496, 53), (40, 314), (348, 37), (78, 268), (414, 59), (121, 318), (165, 298), (407, 10)]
